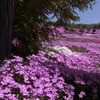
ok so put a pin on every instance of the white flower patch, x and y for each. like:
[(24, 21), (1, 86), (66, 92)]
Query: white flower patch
[(59, 49), (66, 51), (63, 50)]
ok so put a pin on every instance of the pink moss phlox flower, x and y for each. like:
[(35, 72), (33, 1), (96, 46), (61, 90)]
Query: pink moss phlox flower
[(82, 94)]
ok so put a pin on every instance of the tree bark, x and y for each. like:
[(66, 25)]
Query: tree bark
[(6, 17)]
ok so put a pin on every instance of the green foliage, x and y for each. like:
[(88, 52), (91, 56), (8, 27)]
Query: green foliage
[(18, 78), (81, 29), (78, 49), (71, 29), (31, 19), (16, 91), (98, 65)]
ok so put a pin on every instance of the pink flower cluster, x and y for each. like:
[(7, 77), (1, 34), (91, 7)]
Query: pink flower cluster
[(55, 77), (39, 77), (32, 80)]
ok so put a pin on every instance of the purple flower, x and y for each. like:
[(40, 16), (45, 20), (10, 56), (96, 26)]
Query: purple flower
[(15, 42), (82, 94)]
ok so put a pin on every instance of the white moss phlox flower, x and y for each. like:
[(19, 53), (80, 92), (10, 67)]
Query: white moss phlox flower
[(59, 49)]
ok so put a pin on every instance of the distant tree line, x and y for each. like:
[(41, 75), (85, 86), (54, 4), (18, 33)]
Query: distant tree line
[(84, 26)]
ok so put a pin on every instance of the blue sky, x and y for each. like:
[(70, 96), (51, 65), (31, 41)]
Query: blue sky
[(90, 16)]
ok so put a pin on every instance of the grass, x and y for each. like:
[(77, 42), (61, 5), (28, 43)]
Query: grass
[(78, 49)]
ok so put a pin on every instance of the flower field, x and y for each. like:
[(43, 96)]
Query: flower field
[(68, 68)]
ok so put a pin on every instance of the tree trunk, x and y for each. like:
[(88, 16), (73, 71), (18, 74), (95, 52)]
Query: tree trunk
[(6, 12)]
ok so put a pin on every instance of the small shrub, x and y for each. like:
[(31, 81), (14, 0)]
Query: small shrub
[(71, 29), (81, 30), (93, 30), (88, 30)]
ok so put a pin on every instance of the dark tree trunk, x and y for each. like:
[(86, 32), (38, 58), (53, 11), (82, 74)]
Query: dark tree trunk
[(6, 12)]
